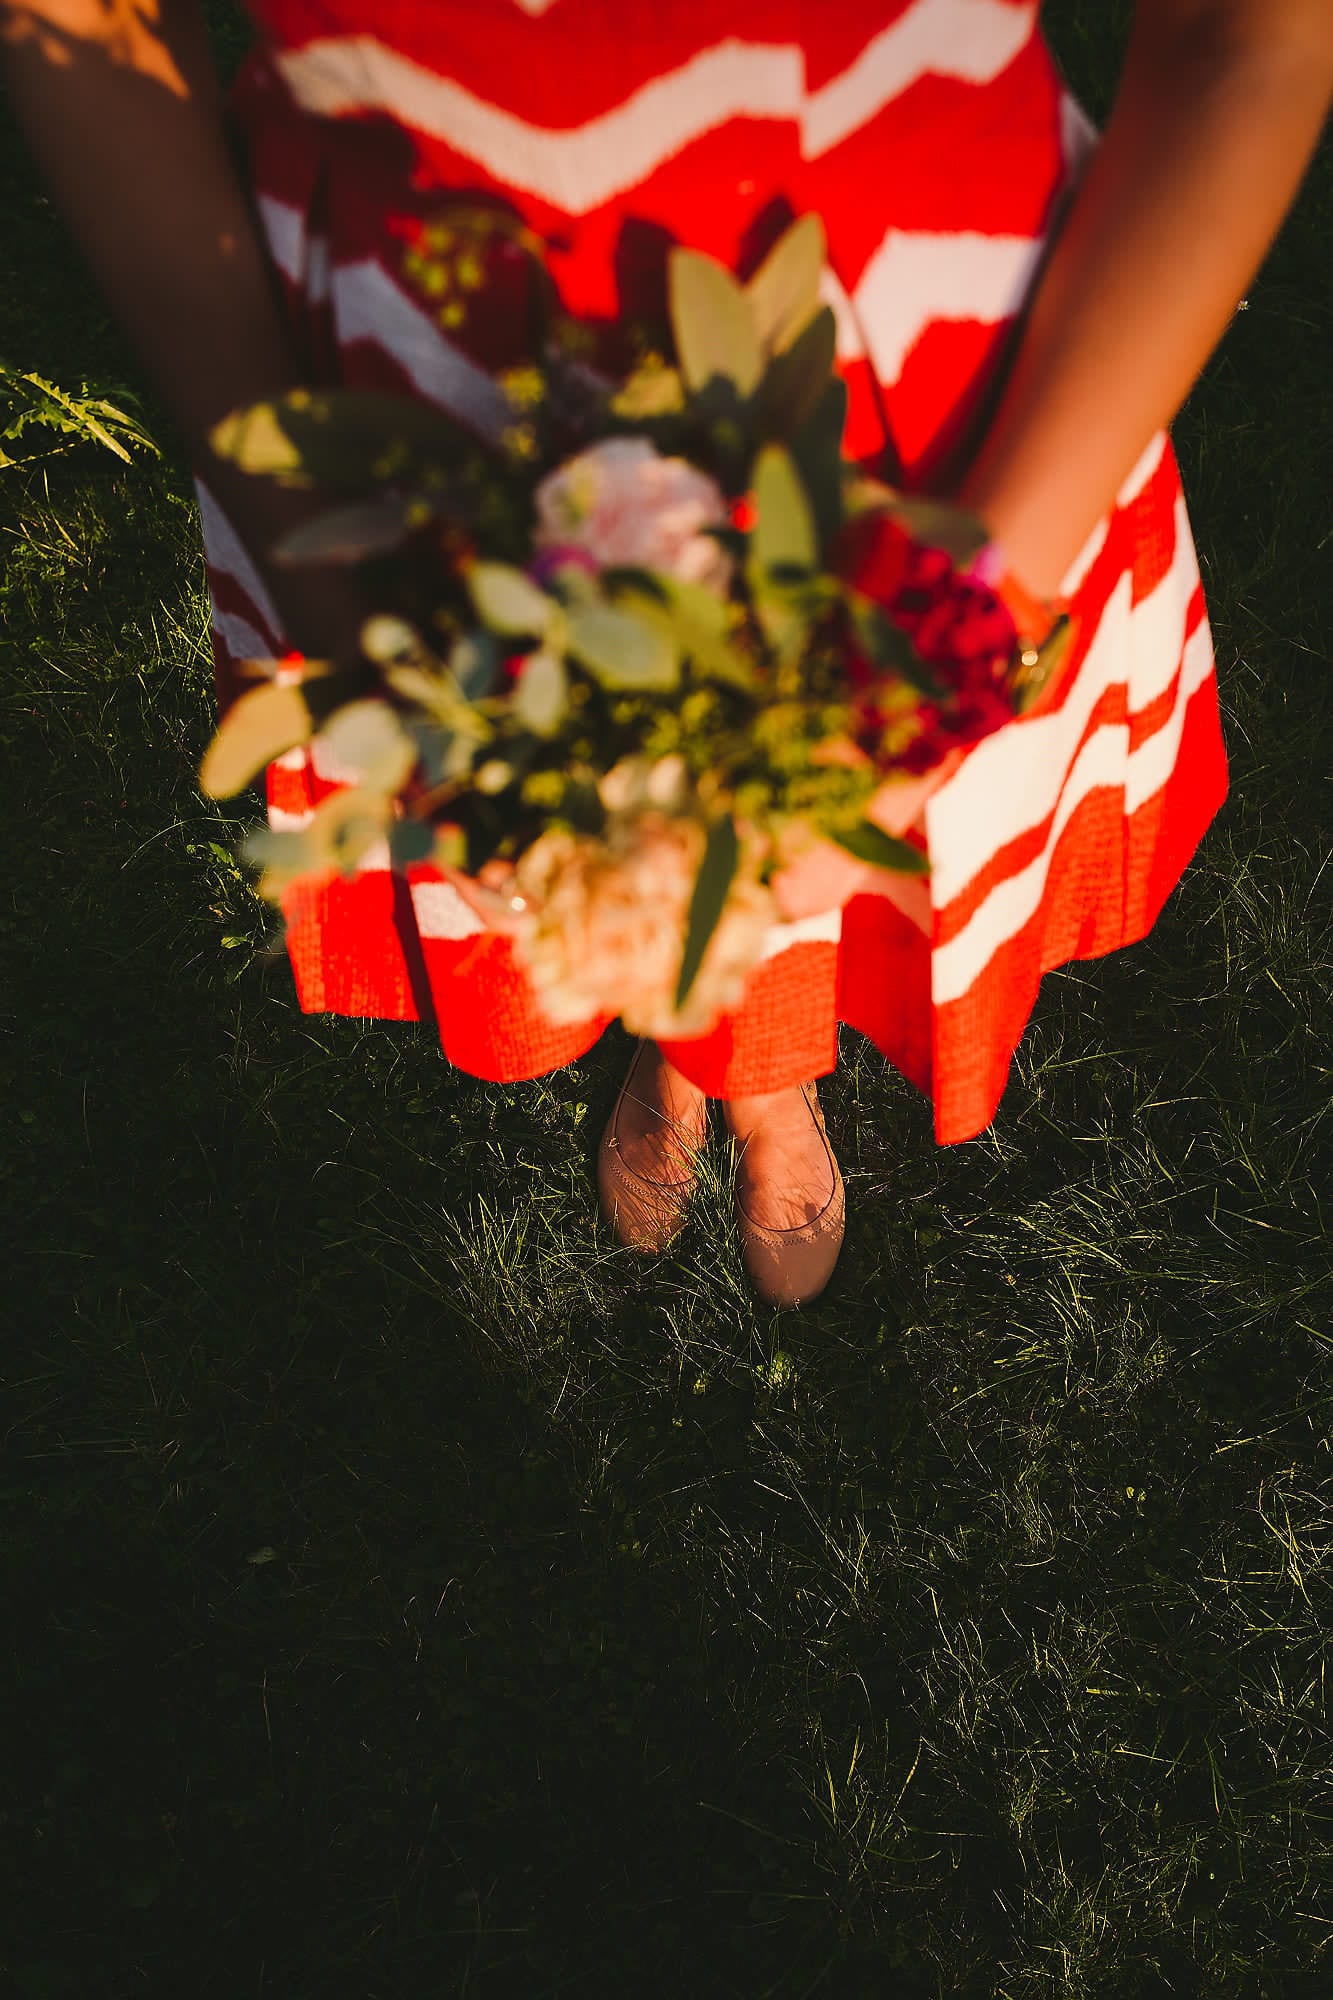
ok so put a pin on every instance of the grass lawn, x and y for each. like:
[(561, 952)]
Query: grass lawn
[(408, 1595)]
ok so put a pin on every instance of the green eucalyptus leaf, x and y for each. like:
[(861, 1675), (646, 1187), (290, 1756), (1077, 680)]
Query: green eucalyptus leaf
[(698, 605), (434, 741), (784, 529), (817, 450), (259, 726), (410, 840), (712, 884), (475, 663), (869, 842), (696, 623), (795, 379), (541, 699), (713, 322), (653, 390), (622, 650), (367, 737), (784, 291), (349, 534), (508, 601), (632, 577)]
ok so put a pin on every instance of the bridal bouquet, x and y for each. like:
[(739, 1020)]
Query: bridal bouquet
[(643, 640)]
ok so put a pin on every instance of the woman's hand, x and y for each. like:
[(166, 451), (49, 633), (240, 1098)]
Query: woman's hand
[(819, 875)]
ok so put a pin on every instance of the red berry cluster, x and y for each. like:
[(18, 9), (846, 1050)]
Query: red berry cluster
[(960, 628)]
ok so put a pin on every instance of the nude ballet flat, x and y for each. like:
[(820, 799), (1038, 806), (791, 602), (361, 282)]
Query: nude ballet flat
[(790, 1267), (645, 1214)]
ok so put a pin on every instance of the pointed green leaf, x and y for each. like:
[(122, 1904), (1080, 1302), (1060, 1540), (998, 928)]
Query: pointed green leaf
[(711, 886), (817, 450), (713, 322), (622, 650), (349, 534), (869, 842), (541, 699), (784, 291), (259, 726), (702, 607), (474, 663), (653, 390), (366, 738), (795, 380), (784, 529), (283, 857), (410, 840), (695, 624), (507, 600)]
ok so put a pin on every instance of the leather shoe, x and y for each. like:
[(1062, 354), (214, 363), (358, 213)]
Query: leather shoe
[(790, 1267), (645, 1213)]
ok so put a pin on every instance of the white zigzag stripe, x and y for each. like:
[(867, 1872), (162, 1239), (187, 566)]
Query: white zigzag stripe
[(577, 170), (368, 305), (971, 39), (1157, 624), (833, 294), (441, 912), (285, 232), (1152, 632), (224, 553), (1101, 761), (954, 966), (239, 637), (918, 277), (580, 168), (1151, 764), (823, 928), (912, 281), (1012, 780), (1144, 469), (304, 259)]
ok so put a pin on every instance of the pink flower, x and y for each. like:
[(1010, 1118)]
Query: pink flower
[(623, 503)]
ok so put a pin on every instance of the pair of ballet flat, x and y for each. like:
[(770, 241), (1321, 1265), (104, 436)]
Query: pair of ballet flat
[(787, 1267)]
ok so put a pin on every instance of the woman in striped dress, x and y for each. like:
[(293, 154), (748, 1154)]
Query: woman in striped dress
[(1021, 309)]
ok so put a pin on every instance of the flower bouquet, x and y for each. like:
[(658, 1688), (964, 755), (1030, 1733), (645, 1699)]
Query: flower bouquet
[(645, 640)]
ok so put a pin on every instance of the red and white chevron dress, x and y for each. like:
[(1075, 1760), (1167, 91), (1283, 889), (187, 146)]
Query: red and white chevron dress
[(939, 145)]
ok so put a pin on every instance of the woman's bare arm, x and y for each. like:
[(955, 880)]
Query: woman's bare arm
[(1219, 109), (120, 104)]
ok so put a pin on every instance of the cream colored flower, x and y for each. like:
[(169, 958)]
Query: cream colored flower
[(636, 782), (606, 920), (622, 502)]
